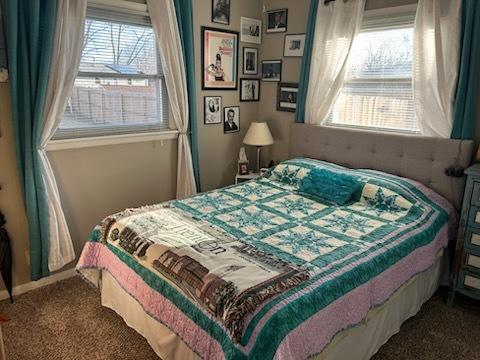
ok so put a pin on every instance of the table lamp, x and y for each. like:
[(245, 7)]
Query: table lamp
[(258, 135)]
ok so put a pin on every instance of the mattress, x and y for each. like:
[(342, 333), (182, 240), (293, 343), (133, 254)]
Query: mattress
[(262, 269)]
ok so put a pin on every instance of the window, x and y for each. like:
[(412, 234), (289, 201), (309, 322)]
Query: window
[(120, 86), (377, 92)]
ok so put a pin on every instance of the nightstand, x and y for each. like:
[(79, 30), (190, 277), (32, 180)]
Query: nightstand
[(465, 277), (242, 178)]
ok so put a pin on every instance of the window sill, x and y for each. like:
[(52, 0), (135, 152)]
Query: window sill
[(107, 140)]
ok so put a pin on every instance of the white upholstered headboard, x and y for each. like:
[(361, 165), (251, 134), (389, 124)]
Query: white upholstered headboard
[(418, 158)]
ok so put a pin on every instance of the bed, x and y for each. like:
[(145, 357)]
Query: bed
[(266, 269)]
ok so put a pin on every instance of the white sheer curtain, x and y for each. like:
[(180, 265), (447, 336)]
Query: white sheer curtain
[(164, 21), (436, 44), (337, 25), (68, 44)]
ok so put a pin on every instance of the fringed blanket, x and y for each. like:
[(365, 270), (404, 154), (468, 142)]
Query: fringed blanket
[(258, 268), (225, 276)]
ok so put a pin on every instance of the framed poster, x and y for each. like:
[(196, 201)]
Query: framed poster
[(231, 119), (272, 70), (250, 61), (221, 11), (213, 110), (251, 30), (294, 45), (219, 59), (277, 20), (287, 97), (249, 89)]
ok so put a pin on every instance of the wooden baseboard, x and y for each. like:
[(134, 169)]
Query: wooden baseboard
[(21, 289)]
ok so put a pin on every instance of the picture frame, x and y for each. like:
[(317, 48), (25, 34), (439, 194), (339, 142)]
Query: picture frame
[(272, 70), (287, 96), (212, 106), (243, 168), (221, 12), (219, 59), (277, 21), (250, 30), (249, 89), (231, 119), (294, 45), (250, 61)]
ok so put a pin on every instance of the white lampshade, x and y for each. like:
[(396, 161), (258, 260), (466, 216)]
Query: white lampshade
[(258, 134)]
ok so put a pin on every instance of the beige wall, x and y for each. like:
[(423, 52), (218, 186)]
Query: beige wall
[(218, 151), (98, 181)]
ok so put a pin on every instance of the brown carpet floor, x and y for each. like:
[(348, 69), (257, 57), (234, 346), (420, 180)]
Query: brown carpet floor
[(65, 321)]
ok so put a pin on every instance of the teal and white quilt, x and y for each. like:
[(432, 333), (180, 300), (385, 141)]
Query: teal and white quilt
[(260, 269)]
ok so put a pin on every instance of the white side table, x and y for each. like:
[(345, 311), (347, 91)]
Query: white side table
[(242, 178)]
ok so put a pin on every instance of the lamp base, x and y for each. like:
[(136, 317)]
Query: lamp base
[(257, 169)]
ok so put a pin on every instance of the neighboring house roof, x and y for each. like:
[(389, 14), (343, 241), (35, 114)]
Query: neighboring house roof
[(125, 69), (109, 68)]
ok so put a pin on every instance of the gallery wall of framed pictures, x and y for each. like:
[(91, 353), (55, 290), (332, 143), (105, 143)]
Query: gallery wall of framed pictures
[(276, 22), (231, 62), (226, 54)]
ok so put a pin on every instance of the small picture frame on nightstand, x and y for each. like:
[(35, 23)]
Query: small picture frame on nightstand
[(243, 168)]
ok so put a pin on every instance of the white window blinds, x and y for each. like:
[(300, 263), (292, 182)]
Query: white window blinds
[(377, 92), (120, 86)]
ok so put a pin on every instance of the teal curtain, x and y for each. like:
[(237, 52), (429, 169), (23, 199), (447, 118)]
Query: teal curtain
[(307, 56), (184, 12), (468, 77), (29, 30)]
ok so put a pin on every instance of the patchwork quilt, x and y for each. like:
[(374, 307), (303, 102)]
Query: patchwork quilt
[(261, 270)]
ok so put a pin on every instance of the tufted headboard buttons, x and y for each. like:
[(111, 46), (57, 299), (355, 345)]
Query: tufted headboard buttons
[(423, 159)]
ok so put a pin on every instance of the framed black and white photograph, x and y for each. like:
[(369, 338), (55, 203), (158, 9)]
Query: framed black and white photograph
[(277, 20), (231, 119), (249, 89), (250, 61), (213, 110), (294, 45), (221, 11), (272, 70), (251, 30), (287, 97), (219, 59)]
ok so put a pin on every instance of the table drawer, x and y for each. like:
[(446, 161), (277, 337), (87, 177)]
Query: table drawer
[(472, 261), (475, 200), (470, 281), (472, 240), (474, 217)]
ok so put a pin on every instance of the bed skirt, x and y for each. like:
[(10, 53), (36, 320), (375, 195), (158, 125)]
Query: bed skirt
[(359, 342)]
